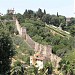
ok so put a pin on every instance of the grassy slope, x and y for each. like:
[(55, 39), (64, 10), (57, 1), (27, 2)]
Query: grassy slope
[(23, 51)]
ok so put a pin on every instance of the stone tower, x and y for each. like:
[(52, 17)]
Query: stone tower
[(10, 11)]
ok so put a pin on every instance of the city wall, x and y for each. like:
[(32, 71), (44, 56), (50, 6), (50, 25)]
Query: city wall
[(45, 50)]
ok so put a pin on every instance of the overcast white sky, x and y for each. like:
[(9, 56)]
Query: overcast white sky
[(63, 7)]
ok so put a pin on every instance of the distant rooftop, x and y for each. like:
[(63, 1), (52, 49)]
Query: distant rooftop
[(68, 19)]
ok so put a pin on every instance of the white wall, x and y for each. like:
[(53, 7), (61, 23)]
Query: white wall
[(39, 64)]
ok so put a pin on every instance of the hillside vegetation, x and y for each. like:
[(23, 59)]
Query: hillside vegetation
[(39, 26), (23, 50), (40, 33), (36, 25), (64, 47)]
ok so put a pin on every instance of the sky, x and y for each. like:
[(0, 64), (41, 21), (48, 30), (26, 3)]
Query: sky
[(63, 7)]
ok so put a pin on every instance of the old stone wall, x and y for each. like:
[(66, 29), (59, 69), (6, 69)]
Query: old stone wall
[(55, 60), (45, 50), (18, 27), (30, 41)]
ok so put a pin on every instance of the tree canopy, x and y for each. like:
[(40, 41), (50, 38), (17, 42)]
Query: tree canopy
[(6, 52)]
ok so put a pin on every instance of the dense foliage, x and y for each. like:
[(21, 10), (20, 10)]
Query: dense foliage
[(9, 40), (6, 50), (56, 20)]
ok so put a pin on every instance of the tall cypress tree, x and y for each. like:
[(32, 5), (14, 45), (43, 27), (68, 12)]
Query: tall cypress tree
[(44, 11), (57, 14)]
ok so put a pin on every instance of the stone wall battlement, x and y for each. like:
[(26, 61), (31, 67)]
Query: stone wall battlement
[(45, 50)]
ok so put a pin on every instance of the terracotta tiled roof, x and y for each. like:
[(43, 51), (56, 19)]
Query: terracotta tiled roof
[(40, 58)]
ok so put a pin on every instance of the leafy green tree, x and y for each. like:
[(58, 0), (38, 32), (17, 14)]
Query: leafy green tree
[(18, 69), (48, 66), (72, 30), (62, 21), (58, 48), (71, 22), (28, 14), (56, 40), (6, 17), (46, 18), (32, 70), (6, 53), (54, 20), (20, 18), (37, 37), (2, 17), (65, 67)]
